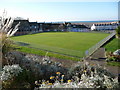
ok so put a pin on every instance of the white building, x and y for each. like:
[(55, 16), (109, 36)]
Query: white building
[(104, 26), (93, 27)]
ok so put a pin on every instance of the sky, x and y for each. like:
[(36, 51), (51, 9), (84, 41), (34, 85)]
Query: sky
[(61, 10)]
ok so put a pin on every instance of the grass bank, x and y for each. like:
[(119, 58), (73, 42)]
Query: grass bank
[(113, 45), (43, 53)]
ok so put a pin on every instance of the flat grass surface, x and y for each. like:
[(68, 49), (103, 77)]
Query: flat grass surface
[(113, 45), (70, 43)]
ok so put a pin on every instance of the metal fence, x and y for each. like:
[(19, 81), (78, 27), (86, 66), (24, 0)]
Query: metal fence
[(91, 50)]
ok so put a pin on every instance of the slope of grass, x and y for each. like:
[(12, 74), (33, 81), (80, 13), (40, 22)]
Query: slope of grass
[(113, 45), (70, 43), (43, 53)]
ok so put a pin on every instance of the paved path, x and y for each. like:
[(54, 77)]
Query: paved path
[(99, 54), (99, 58)]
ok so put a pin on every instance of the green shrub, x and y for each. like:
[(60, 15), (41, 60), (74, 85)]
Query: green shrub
[(111, 57), (81, 76), (118, 32)]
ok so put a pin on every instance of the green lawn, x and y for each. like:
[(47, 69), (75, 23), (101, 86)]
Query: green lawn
[(113, 45), (114, 64), (70, 43), (43, 53)]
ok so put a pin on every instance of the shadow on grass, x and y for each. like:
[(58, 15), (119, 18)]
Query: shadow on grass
[(22, 44)]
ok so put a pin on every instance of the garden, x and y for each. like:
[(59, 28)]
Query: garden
[(113, 50), (23, 70)]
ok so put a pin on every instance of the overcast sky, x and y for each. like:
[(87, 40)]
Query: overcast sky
[(61, 10)]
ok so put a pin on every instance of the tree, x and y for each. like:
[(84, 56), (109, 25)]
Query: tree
[(118, 32)]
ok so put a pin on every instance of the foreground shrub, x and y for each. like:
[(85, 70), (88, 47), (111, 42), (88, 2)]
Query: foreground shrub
[(111, 57), (93, 81), (5, 46), (34, 67), (6, 31), (45, 73), (81, 76), (8, 74)]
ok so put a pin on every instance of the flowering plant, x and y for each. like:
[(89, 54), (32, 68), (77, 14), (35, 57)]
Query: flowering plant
[(84, 77), (9, 72)]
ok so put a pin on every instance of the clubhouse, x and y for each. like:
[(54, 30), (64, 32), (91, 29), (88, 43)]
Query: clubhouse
[(104, 26)]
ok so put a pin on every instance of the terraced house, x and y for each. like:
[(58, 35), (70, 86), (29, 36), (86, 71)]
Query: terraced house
[(47, 27), (34, 27), (78, 28), (27, 27), (24, 27)]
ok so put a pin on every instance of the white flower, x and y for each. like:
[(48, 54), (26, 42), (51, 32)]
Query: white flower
[(10, 71)]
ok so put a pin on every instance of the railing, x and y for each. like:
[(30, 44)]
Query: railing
[(91, 50)]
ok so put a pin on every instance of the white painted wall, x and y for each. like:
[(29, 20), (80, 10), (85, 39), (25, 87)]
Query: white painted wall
[(104, 27)]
